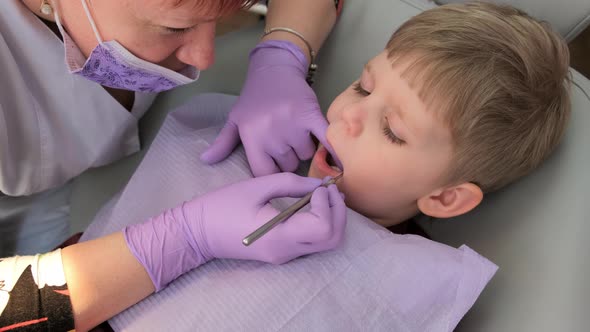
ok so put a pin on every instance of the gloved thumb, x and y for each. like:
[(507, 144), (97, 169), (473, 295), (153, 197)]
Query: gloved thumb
[(318, 128), (285, 185), (224, 144)]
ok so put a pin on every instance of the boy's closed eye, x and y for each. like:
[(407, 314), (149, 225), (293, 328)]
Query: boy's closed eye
[(359, 89), (389, 134)]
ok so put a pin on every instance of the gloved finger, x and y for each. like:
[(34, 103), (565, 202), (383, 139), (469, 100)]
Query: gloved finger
[(304, 147), (224, 144), (338, 208), (314, 226), (328, 178), (287, 161), (283, 185), (260, 162), (318, 127), (338, 222)]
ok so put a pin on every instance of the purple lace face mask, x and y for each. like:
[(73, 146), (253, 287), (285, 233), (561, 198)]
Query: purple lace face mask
[(110, 64)]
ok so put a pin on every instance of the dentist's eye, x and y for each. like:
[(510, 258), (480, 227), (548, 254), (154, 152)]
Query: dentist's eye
[(391, 136), (359, 89), (178, 31)]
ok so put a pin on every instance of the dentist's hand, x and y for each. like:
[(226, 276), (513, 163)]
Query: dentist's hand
[(213, 226), (275, 115)]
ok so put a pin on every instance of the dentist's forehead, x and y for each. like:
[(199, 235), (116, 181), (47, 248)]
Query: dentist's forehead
[(181, 13)]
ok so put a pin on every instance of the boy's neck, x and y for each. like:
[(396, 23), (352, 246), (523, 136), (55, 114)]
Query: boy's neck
[(408, 227)]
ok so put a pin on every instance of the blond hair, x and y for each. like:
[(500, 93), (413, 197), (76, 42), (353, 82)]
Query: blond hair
[(500, 80)]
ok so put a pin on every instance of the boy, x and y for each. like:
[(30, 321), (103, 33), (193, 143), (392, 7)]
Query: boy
[(464, 100)]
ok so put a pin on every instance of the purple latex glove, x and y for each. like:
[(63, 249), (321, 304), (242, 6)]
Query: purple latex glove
[(213, 226), (275, 113)]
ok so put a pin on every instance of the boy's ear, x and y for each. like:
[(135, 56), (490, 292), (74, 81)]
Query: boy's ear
[(452, 201)]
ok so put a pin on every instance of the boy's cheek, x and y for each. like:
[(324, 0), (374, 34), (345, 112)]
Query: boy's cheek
[(330, 135)]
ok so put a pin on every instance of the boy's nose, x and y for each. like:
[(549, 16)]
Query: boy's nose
[(198, 48), (354, 116)]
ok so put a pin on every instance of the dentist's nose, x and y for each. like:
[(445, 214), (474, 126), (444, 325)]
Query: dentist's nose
[(354, 117), (199, 46)]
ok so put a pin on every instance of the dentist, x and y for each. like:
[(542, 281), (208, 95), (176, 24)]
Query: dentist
[(76, 77)]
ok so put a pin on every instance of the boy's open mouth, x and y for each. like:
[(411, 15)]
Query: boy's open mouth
[(331, 162), (325, 163)]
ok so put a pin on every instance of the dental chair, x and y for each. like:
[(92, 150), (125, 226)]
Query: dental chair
[(535, 230)]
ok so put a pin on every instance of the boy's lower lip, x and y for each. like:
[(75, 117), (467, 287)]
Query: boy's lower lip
[(319, 160)]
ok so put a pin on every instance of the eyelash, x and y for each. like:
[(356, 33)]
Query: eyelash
[(178, 31), (359, 89), (390, 135)]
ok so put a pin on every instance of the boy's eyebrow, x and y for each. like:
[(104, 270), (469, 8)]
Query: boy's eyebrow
[(399, 110), (408, 130), (402, 115)]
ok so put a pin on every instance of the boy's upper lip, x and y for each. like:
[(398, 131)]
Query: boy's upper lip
[(334, 155)]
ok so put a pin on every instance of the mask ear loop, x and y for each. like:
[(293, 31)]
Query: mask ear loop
[(91, 20), (58, 20)]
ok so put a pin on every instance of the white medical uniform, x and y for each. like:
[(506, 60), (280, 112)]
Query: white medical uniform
[(53, 126)]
